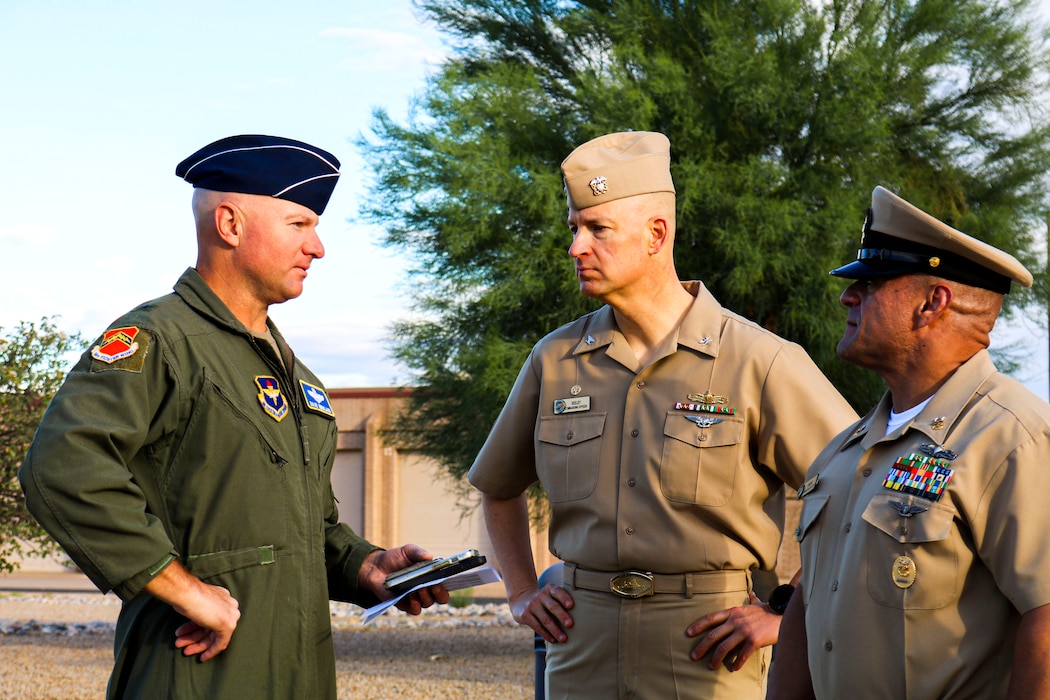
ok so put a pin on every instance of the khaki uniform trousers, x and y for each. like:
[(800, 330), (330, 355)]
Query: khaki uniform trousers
[(637, 649)]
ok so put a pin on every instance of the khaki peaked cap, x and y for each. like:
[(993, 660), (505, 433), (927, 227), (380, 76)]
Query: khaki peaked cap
[(899, 239), (617, 165)]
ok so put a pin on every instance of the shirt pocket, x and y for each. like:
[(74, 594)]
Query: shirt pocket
[(568, 454), (924, 539), (699, 464)]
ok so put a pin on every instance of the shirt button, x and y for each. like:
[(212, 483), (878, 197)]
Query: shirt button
[(866, 472), (568, 436), (849, 526), (640, 385), (629, 531), (702, 437), (835, 586), (798, 531), (827, 645), (631, 483), (634, 433)]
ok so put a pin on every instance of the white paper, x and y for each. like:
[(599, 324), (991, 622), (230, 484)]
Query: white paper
[(467, 579)]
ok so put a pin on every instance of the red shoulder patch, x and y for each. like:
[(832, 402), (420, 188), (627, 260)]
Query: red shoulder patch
[(116, 344)]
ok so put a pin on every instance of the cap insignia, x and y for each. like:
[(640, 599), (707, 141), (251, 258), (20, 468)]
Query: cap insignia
[(935, 261), (599, 186)]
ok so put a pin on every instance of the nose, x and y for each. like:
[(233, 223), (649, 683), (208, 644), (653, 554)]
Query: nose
[(850, 296), (578, 246), (313, 245)]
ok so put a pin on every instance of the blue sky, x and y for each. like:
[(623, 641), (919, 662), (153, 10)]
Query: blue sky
[(103, 98)]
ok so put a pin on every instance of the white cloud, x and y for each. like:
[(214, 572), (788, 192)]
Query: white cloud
[(29, 236), (389, 51)]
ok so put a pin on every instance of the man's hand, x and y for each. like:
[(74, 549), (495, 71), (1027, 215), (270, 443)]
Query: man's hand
[(211, 610), (732, 636), (378, 565), (545, 610)]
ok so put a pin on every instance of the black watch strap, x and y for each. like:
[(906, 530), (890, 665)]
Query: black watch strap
[(780, 597)]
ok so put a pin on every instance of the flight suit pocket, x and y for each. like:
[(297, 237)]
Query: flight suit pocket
[(699, 460), (205, 566), (812, 506), (568, 453), (912, 559)]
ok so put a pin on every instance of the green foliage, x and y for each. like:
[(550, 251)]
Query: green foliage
[(782, 115), (32, 366)]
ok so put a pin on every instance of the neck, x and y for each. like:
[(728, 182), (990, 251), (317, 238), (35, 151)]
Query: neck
[(649, 322)]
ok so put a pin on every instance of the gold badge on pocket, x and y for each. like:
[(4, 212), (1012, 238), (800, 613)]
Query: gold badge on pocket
[(903, 572)]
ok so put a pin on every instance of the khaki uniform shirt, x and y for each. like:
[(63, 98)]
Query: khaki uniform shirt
[(919, 596), (639, 470)]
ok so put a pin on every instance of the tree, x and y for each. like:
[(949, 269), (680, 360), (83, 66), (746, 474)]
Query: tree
[(782, 115), (32, 361)]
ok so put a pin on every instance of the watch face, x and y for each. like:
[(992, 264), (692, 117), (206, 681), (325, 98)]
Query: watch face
[(780, 597)]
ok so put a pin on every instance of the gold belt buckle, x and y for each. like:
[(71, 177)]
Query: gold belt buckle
[(632, 584)]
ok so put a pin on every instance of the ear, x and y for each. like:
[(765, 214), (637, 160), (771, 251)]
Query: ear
[(659, 234), (936, 301), (229, 223)]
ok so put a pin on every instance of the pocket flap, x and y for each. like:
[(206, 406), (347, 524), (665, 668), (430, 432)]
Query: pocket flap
[(929, 525), (812, 506), (712, 431), (570, 430), (204, 566)]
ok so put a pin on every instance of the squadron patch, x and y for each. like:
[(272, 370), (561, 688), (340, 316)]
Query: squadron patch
[(271, 398), (316, 399), (116, 344)]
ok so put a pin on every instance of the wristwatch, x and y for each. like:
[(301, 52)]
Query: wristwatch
[(780, 597)]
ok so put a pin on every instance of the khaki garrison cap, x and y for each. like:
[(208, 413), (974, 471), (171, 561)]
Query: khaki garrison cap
[(900, 239), (615, 166)]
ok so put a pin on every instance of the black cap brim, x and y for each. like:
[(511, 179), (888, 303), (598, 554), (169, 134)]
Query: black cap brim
[(860, 270)]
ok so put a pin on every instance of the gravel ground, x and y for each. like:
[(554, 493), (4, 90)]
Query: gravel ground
[(61, 646)]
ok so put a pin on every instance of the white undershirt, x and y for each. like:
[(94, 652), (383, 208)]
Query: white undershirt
[(896, 420)]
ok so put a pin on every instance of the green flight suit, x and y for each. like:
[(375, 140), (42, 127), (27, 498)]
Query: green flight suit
[(181, 435)]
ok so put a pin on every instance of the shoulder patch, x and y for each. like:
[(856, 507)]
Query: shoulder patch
[(316, 399), (121, 348)]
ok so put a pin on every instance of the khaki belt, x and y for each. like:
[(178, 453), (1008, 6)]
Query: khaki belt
[(639, 584)]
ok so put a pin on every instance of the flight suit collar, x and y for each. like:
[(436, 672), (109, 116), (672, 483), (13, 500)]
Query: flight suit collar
[(939, 416), (200, 297), (699, 330)]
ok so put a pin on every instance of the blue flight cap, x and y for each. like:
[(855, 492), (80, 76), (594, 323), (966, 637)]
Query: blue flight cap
[(264, 165)]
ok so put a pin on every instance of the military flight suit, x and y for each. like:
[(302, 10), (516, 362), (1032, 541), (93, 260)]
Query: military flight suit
[(180, 435), (922, 548), (674, 469)]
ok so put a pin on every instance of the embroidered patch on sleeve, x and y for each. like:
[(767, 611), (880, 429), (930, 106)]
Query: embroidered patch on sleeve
[(316, 399), (121, 348)]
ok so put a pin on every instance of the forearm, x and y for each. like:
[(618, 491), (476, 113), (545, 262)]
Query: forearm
[(789, 676), (1030, 677), (507, 521)]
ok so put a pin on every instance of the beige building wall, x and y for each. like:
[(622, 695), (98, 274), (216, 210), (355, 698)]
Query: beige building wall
[(392, 497)]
